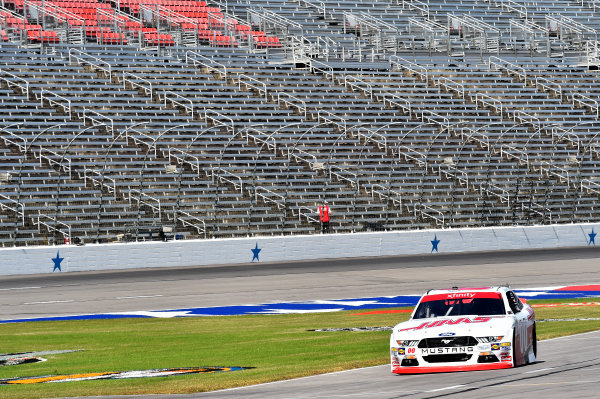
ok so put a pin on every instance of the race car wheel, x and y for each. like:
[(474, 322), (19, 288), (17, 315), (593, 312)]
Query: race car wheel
[(513, 348), (534, 341)]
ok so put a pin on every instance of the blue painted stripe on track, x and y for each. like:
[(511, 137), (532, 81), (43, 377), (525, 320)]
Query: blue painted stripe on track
[(301, 307)]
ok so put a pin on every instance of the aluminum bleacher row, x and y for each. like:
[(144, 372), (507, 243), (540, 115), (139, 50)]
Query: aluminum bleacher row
[(211, 119)]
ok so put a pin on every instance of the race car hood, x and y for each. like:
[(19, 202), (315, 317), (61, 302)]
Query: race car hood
[(476, 326)]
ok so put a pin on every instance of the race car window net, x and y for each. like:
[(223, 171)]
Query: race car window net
[(477, 305)]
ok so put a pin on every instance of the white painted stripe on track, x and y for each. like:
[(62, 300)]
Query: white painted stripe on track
[(138, 296), (539, 370), (362, 368), (20, 288), (446, 388), (298, 379), (47, 302)]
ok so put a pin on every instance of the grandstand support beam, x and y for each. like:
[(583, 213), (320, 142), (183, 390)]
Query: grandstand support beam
[(60, 168), (143, 171)]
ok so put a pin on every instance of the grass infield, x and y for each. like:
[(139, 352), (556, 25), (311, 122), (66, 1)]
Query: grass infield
[(278, 346)]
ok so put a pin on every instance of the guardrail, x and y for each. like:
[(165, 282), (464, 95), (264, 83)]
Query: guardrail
[(269, 141), (184, 158), (154, 205), (324, 69), (17, 138), (410, 66), (353, 82), (15, 210), (207, 116), (548, 85), (487, 101), (585, 101), (266, 198), (96, 118), (185, 103), (40, 223), (199, 59), (398, 102), (340, 175), (185, 222), (23, 86), (148, 90), (509, 67), (327, 116), (100, 181), (253, 83), (296, 103), (449, 84), (61, 164), (385, 193), (51, 100), (97, 65), (230, 177)]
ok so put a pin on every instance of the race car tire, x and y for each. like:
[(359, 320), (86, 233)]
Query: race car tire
[(513, 348), (534, 341)]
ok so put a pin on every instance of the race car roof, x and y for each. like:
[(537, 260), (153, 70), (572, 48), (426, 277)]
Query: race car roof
[(462, 292)]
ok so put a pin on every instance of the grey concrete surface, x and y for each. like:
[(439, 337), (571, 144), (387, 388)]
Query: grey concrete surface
[(160, 289)]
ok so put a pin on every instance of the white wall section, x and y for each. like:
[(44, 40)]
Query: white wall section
[(71, 258)]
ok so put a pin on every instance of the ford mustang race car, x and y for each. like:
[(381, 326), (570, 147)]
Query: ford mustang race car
[(465, 329)]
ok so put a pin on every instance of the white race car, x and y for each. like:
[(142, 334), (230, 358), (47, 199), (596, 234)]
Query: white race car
[(465, 329)]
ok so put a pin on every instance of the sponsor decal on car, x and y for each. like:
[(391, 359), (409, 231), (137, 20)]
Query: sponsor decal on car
[(505, 344), (447, 334), (495, 347), (440, 351), (450, 322), (401, 351)]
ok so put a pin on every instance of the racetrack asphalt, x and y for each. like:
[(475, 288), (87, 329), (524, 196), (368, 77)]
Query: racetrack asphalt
[(567, 367), (176, 288)]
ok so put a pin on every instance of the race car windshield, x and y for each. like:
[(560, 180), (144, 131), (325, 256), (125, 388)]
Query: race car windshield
[(460, 307)]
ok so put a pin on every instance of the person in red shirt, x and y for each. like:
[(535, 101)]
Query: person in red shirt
[(324, 215)]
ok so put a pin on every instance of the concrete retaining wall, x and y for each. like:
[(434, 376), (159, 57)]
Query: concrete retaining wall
[(71, 258)]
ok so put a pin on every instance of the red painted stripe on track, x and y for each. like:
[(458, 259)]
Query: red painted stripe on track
[(383, 311), (580, 288)]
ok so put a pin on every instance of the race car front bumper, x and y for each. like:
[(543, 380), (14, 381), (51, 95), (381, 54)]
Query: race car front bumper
[(446, 369)]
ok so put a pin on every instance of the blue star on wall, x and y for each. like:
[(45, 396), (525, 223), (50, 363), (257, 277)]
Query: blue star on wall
[(592, 238), (434, 244), (255, 252), (57, 261)]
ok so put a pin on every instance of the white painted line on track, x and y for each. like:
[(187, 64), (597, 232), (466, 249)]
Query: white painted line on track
[(446, 388), (539, 371), (46, 302), (20, 288), (138, 296)]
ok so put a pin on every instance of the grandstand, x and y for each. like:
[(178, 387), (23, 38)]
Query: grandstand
[(236, 118)]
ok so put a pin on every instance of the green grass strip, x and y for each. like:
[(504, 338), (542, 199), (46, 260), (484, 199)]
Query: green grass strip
[(278, 346)]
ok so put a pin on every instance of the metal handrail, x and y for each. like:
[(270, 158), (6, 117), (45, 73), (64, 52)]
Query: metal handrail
[(67, 108), (107, 70), (253, 83), (281, 97), (39, 223), (141, 201), (231, 125), (205, 62), (17, 204), (182, 103), (147, 90)]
